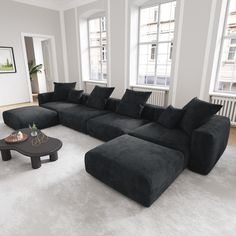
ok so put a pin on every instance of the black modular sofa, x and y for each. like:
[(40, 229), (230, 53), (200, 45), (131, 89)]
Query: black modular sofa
[(140, 158)]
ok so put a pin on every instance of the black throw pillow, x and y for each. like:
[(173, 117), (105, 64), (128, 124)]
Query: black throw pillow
[(171, 117), (61, 91), (132, 103), (197, 112), (98, 97), (74, 96)]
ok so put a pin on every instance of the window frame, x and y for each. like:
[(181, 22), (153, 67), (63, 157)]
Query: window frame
[(219, 62), (153, 42), (101, 46)]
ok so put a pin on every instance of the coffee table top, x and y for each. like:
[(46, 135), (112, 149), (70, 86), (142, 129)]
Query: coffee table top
[(41, 145)]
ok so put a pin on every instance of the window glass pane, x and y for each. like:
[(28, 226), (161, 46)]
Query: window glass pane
[(148, 24), (146, 64), (226, 78), (95, 63), (155, 61), (167, 21), (94, 32), (98, 49)]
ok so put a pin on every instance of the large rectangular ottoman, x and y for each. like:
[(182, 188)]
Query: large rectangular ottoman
[(139, 169), (21, 117)]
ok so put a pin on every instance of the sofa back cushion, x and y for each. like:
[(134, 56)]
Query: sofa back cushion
[(74, 96), (132, 103), (197, 112), (152, 112), (171, 117), (98, 97), (61, 91)]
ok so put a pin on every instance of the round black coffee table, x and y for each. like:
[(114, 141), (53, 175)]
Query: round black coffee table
[(33, 147)]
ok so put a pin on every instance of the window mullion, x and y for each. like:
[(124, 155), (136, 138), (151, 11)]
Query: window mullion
[(100, 20), (157, 41)]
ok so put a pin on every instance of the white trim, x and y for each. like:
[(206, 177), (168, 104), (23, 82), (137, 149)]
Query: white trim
[(109, 80), (126, 45), (64, 49), (95, 81), (177, 50), (55, 6), (150, 87), (78, 48), (54, 57), (219, 94), (208, 49)]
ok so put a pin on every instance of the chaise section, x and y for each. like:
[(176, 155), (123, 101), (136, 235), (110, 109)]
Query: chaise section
[(139, 169), (20, 118), (112, 125), (78, 116), (58, 106), (171, 138), (208, 144)]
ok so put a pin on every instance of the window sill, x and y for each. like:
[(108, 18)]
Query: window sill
[(95, 82), (222, 94), (162, 88)]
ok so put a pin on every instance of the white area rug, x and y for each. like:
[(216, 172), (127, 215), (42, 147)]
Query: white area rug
[(61, 199)]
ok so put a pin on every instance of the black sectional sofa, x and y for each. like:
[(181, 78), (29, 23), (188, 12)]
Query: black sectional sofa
[(141, 157)]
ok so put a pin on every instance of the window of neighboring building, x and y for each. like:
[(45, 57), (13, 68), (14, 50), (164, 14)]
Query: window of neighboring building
[(226, 78), (98, 48), (156, 35)]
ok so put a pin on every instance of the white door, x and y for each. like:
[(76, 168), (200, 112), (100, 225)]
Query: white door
[(48, 69)]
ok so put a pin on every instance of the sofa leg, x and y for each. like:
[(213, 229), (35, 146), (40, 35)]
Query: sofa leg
[(6, 155)]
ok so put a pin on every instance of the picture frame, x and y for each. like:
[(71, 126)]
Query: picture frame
[(7, 60)]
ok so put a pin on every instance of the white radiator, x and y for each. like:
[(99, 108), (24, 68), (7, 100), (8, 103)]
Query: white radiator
[(158, 97), (229, 107)]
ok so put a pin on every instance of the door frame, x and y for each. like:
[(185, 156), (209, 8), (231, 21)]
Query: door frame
[(54, 57)]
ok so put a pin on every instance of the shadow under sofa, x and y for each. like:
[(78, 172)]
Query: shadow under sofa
[(161, 153)]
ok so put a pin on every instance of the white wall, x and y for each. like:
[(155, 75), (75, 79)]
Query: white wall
[(16, 18), (194, 50)]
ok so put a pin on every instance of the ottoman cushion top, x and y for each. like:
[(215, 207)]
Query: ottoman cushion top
[(137, 168), (23, 117)]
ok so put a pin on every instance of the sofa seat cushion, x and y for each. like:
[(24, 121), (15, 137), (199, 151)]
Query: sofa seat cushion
[(172, 138), (137, 168), (76, 117), (58, 106), (112, 125), (20, 118)]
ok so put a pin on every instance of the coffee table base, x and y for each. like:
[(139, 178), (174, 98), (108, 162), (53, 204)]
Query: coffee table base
[(35, 161), (6, 155)]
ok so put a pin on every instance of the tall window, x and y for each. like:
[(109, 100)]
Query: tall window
[(226, 79), (156, 35), (98, 48)]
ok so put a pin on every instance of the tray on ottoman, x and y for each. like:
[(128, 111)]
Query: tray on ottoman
[(139, 169), (20, 118)]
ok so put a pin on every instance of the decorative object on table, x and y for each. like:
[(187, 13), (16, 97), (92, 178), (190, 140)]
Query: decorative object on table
[(16, 137), (39, 139), (49, 146), (34, 130), (7, 60)]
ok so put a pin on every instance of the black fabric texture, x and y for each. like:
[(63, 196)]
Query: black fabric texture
[(61, 91), (112, 125), (171, 117), (20, 118), (136, 168), (45, 97), (58, 106), (197, 112), (75, 96), (132, 103), (98, 97)]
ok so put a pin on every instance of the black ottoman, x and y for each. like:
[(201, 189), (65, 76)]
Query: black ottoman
[(20, 118), (139, 169)]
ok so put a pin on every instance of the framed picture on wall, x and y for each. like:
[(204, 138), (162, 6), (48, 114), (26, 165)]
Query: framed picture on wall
[(7, 60)]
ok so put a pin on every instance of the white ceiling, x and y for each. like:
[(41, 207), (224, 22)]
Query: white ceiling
[(56, 4)]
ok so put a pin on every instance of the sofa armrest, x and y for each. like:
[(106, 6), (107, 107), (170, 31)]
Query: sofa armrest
[(45, 97), (208, 144)]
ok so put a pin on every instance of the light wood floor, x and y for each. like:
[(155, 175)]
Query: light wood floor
[(232, 138)]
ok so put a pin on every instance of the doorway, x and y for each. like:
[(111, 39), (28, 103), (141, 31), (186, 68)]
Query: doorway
[(40, 60)]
